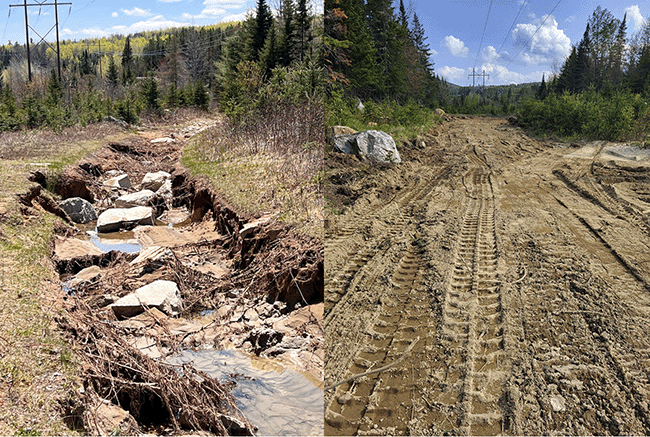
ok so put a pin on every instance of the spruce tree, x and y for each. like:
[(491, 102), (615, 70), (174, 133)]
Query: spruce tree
[(54, 90), (362, 71), (263, 20), (113, 75), (127, 62), (303, 24), (288, 37)]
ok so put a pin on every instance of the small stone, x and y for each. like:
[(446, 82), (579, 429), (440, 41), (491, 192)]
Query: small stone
[(121, 181), (558, 404)]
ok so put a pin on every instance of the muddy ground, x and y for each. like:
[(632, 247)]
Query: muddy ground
[(504, 281), (249, 283)]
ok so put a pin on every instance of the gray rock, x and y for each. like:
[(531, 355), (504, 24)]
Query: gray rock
[(140, 198), (121, 181), (153, 181), (161, 294), (374, 144), (124, 218), (79, 210)]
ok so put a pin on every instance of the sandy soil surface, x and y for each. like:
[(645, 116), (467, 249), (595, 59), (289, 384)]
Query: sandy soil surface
[(503, 280)]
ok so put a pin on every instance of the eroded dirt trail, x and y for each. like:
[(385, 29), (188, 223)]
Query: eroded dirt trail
[(499, 283)]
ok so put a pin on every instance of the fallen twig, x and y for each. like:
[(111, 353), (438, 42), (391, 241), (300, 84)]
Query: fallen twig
[(381, 369)]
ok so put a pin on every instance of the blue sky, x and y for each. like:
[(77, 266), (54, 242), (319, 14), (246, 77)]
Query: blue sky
[(97, 18), (454, 29)]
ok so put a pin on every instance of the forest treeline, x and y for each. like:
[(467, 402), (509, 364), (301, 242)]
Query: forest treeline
[(377, 55), (242, 67), (603, 87)]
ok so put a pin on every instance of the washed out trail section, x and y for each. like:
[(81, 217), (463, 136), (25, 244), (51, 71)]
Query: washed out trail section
[(532, 301), (175, 267)]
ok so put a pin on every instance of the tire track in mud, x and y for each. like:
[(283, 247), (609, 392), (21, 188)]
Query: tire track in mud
[(469, 384), (385, 400), (394, 217)]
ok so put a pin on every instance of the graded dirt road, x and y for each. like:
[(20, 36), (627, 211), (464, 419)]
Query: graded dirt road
[(504, 282)]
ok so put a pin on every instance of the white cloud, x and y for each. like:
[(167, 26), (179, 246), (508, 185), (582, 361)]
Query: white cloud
[(634, 14), (489, 54), (456, 47), (234, 17), (137, 12), (115, 15), (451, 74), (545, 46), (214, 8)]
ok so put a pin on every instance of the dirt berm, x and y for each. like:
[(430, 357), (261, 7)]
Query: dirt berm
[(500, 283)]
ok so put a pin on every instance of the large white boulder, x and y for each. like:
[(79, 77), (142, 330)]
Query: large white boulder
[(374, 144), (140, 198), (161, 294), (124, 218), (153, 181)]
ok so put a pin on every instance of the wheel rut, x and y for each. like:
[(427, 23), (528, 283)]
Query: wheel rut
[(386, 399), (469, 384)]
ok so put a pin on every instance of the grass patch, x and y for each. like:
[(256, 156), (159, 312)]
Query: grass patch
[(403, 122), (270, 164)]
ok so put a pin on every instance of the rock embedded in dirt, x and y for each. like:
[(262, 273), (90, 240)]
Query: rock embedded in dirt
[(163, 140), (163, 295), (88, 275), (79, 210), (121, 181), (153, 181), (139, 198), (374, 144), (124, 218)]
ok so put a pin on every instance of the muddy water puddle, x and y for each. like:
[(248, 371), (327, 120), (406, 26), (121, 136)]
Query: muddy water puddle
[(130, 241), (278, 401)]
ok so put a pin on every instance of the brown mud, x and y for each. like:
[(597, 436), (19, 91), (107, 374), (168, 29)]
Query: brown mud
[(248, 283), (501, 281)]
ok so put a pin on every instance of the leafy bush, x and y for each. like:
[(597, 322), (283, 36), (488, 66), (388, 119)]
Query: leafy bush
[(589, 114)]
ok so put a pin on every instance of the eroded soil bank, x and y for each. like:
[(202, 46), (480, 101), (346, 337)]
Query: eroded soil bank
[(500, 281), (249, 283)]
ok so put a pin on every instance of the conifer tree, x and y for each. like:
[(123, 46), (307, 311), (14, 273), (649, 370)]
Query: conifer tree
[(263, 20), (127, 62), (54, 90), (362, 71), (113, 75), (303, 25), (288, 39)]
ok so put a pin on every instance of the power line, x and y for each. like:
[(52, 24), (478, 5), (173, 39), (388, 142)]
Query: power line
[(531, 38), (523, 3), (482, 36)]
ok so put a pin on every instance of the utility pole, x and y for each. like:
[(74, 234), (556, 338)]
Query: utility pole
[(56, 5)]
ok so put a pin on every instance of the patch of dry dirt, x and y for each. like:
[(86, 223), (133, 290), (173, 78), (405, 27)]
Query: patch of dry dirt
[(502, 282)]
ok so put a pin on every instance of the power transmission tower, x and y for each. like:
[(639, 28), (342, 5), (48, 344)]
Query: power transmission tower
[(56, 5), (474, 75)]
